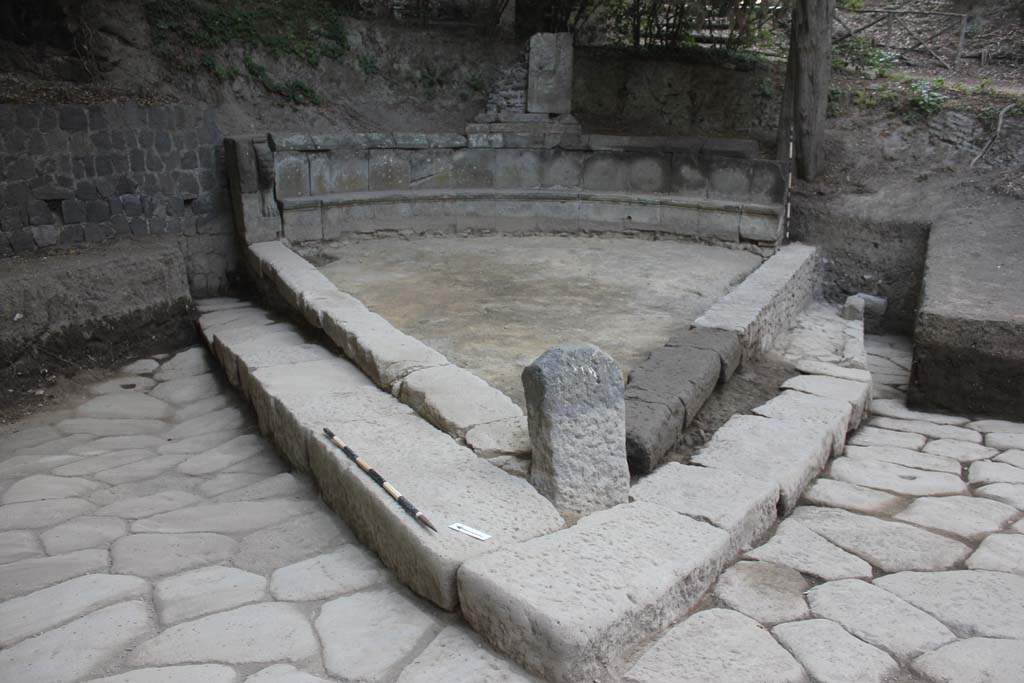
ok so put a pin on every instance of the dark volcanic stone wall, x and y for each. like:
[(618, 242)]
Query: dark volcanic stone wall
[(71, 175)]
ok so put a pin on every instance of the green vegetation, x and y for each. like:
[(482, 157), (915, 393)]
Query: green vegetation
[(926, 98), (860, 54), (295, 91)]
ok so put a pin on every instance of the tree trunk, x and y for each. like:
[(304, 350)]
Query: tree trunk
[(785, 132), (811, 54)]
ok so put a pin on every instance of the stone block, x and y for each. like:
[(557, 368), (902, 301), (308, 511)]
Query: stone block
[(549, 86), (650, 173), (303, 224), (560, 168), (723, 342), (857, 394), (473, 168), (728, 178), (689, 176), (758, 226), (767, 182), (606, 171), (576, 412), (291, 172), (695, 221), (339, 170), (651, 430), (455, 400), (516, 597), (430, 168), (389, 170), (517, 168), (800, 407)]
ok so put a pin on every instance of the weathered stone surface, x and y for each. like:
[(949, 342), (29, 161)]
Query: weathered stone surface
[(962, 451), (25, 576), (831, 655), (126, 405), (356, 648), (897, 479), (1015, 458), (971, 603), (794, 545), (985, 472), (890, 546), (217, 421), (110, 426), (65, 444), (187, 389), (455, 400), (297, 539), (814, 367), (576, 412), (872, 436), (746, 513), (230, 518), (974, 660), (999, 553), (549, 89), (225, 455), (44, 609), (1011, 494), (904, 457), (285, 485), (767, 592), (1005, 441), (604, 562), (123, 384), (857, 394), (725, 343), (201, 407), (457, 654), (188, 673), (347, 569), (18, 545), (266, 632), (283, 673), (651, 429), (797, 406), (47, 487), (146, 468), (152, 555), (928, 429), (143, 366), (841, 494), (31, 436), (206, 590), (40, 513), (509, 437), (83, 532), (716, 645), (898, 409), (194, 361), (878, 617), (98, 463), (789, 454), (1001, 426), (964, 516), (21, 465), (72, 651), (145, 506)]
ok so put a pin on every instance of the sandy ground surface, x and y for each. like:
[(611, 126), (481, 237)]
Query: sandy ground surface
[(493, 304)]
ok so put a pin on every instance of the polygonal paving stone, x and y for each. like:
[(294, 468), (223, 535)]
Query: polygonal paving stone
[(143, 366), (74, 650), (360, 648), (126, 405), (1001, 426), (231, 518), (1011, 494), (48, 487), (899, 410), (61, 446), (457, 654), (999, 553), (987, 472), (132, 383), (855, 393), (283, 673), (18, 545), (146, 506), (896, 479), (217, 421), (904, 457), (716, 645), (166, 481), (878, 617), (42, 513), (44, 609), (962, 451), (1004, 441), (198, 444), (32, 436), (970, 602), (107, 444), (98, 463), (1015, 458), (794, 545), (206, 590), (83, 532), (267, 464), (975, 660), (767, 592), (189, 673), (831, 655), (294, 540), (963, 516), (25, 576), (202, 407), (872, 436), (347, 569), (238, 449), (842, 494), (187, 390), (194, 361), (110, 426), (928, 429), (152, 555), (139, 470), (24, 465), (228, 481), (285, 485)]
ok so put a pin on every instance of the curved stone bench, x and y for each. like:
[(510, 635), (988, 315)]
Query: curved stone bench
[(457, 211)]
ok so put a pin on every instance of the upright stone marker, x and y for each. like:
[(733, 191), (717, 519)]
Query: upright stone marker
[(549, 89), (576, 411)]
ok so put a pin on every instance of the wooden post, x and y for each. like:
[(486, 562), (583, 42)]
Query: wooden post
[(960, 45), (888, 33)]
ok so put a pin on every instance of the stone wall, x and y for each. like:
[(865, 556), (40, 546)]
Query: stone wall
[(73, 174)]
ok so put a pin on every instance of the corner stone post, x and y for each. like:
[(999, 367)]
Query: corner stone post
[(576, 412)]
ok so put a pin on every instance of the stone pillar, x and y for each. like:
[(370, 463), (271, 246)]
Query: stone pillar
[(549, 89), (576, 412)]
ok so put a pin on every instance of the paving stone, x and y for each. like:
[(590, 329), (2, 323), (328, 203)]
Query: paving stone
[(47, 487), (217, 421), (896, 479), (83, 532), (746, 514), (899, 410), (716, 645), (794, 545), (167, 481), (284, 673), (959, 450), (107, 444), (238, 449), (348, 569), (25, 576), (133, 383), (457, 654), (228, 481), (766, 592), (297, 539), (32, 436), (18, 545), (198, 444), (187, 390), (503, 437), (964, 516), (1015, 458), (985, 472), (145, 506), (878, 617), (872, 436), (927, 429), (98, 463), (800, 407), (604, 564), (857, 394), (61, 446), (24, 465), (455, 400), (285, 485), (266, 464), (782, 452), (356, 648), (230, 518), (202, 406), (202, 591), (265, 632), (109, 426), (74, 650), (905, 457), (971, 603), (139, 470), (126, 405), (975, 660), (187, 363), (1011, 494), (890, 546), (999, 553), (725, 343), (49, 607), (813, 367), (143, 366), (576, 413), (841, 494), (189, 673), (151, 555), (831, 655), (1001, 426), (40, 513)]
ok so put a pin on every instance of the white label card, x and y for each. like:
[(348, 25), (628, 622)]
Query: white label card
[(469, 531)]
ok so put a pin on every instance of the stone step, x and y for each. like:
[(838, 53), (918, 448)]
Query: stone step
[(298, 388)]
